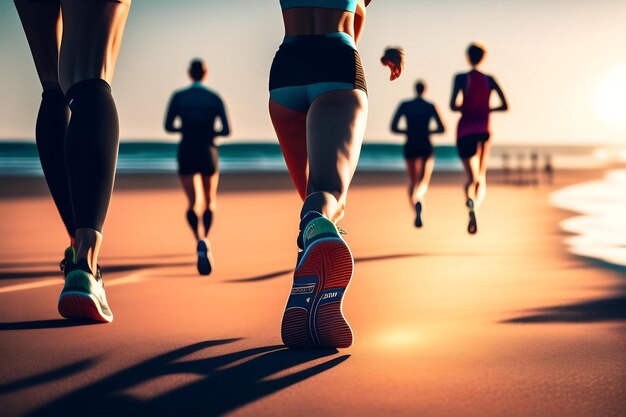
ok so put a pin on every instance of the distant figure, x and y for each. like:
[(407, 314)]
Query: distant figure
[(198, 108), (548, 169), (506, 169), (473, 142), (534, 167), (75, 45), (418, 151), (521, 178)]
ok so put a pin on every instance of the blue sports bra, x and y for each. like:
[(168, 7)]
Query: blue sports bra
[(347, 5)]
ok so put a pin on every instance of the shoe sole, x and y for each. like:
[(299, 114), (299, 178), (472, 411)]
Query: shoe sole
[(313, 316), (205, 266), (472, 227), (418, 216), (80, 305)]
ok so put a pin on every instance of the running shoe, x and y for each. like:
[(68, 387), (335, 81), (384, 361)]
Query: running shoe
[(83, 295), (205, 257), (472, 226), (313, 316), (68, 256), (418, 214)]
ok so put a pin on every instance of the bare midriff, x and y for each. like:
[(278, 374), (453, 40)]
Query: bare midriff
[(317, 21)]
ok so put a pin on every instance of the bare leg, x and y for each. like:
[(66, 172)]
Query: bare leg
[(423, 177), (484, 151), (290, 127), (411, 170), (335, 128), (187, 181), (209, 184), (92, 34), (334, 133), (472, 169)]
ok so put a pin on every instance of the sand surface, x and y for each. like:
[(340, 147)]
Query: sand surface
[(504, 323)]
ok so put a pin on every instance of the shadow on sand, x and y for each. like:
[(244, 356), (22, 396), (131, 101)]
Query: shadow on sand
[(30, 264), (263, 277), (105, 270), (609, 308), (276, 274), (45, 324), (220, 384), (49, 376), (600, 310)]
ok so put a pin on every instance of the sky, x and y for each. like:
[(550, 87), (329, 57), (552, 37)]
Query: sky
[(561, 63)]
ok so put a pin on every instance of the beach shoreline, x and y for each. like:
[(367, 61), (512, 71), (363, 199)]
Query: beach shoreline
[(25, 185)]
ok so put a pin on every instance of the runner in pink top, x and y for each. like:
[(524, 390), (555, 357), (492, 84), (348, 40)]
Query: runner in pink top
[(472, 140), (475, 108)]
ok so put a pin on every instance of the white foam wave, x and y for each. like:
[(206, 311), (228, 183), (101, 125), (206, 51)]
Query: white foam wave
[(600, 230)]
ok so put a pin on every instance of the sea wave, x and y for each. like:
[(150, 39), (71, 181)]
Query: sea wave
[(600, 229)]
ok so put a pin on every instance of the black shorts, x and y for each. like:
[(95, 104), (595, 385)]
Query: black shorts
[(197, 160), (415, 150), (467, 146), (308, 66)]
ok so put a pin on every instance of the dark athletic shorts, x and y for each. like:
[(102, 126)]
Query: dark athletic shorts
[(310, 65), (421, 149), (197, 160), (467, 146)]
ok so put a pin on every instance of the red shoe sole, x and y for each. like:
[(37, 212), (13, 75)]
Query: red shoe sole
[(75, 305), (327, 266)]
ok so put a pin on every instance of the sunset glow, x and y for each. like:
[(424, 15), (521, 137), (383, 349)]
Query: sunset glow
[(610, 97)]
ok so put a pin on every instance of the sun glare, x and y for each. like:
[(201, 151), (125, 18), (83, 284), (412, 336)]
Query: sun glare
[(610, 97)]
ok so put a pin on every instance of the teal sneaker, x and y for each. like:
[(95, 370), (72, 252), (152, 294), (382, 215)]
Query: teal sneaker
[(313, 316), (83, 295)]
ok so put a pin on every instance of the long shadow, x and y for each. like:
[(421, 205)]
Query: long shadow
[(135, 267), (153, 256), (600, 310), (224, 383), (105, 270), (404, 255), (8, 265), (29, 274), (263, 277), (606, 309), (276, 274), (45, 324), (49, 376)]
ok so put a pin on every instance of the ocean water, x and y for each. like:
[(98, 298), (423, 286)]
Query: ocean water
[(21, 158), (599, 231)]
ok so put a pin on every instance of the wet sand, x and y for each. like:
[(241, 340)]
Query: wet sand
[(504, 323)]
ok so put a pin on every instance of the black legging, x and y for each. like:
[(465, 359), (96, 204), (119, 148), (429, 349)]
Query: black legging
[(50, 136), (91, 147)]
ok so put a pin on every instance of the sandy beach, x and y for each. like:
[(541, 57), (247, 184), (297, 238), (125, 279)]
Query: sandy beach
[(504, 323)]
